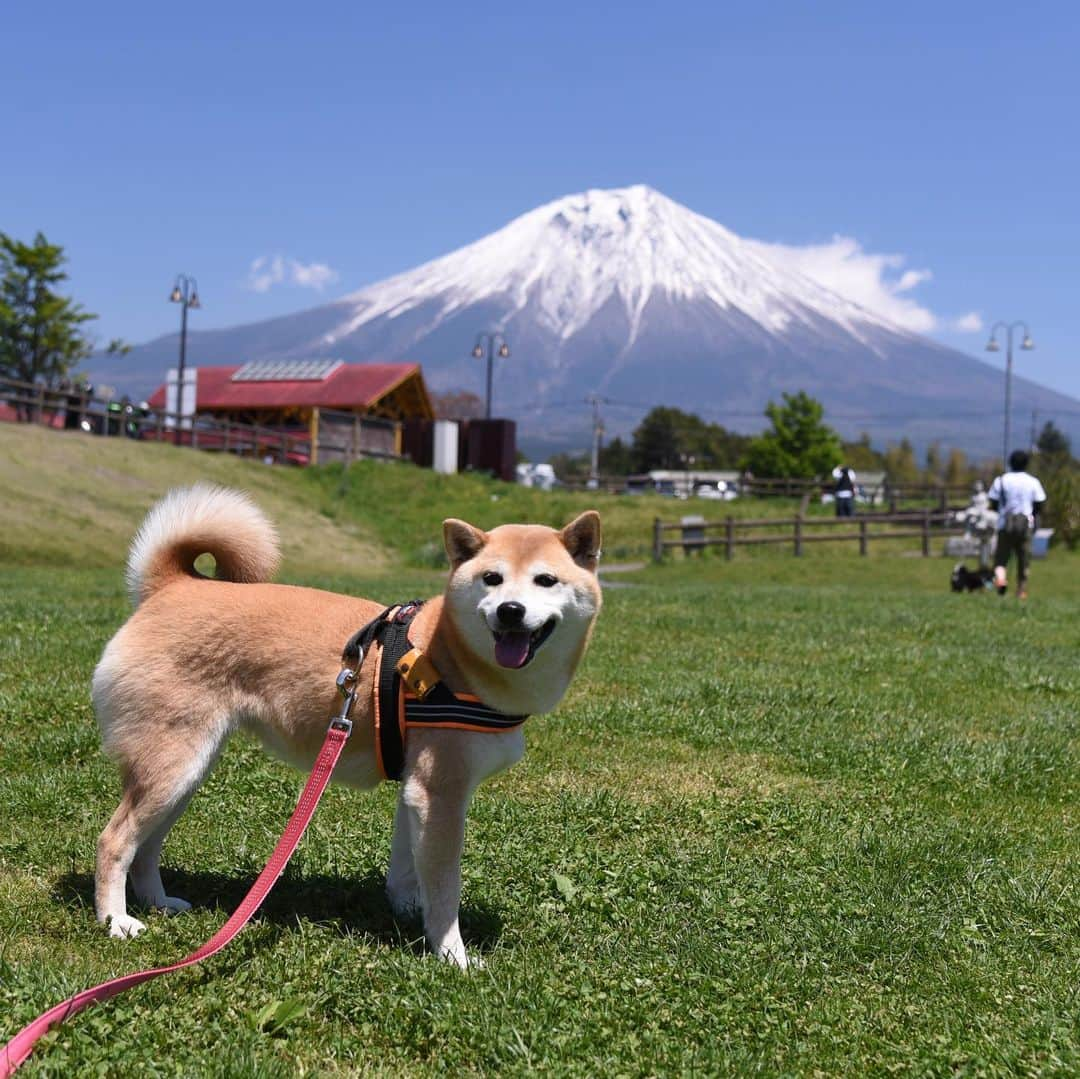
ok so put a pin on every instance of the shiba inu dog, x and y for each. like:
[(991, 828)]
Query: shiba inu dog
[(202, 657)]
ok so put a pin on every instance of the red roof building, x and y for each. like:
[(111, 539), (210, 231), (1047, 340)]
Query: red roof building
[(391, 390), (317, 395)]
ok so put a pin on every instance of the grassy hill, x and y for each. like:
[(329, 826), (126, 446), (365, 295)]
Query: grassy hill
[(71, 499)]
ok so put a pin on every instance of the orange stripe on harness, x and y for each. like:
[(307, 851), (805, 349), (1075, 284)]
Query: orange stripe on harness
[(453, 725)]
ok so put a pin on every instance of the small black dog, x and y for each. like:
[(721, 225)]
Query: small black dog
[(970, 580)]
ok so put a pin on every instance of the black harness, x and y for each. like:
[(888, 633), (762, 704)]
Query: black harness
[(409, 692)]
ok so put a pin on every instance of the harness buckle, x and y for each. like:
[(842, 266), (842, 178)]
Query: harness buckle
[(418, 672)]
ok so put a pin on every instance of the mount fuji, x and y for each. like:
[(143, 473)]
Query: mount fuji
[(626, 294)]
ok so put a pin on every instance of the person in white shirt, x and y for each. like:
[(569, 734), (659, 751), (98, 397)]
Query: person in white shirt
[(1018, 497)]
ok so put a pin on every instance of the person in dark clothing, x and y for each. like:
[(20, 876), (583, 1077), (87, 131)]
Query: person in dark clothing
[(844, 491)]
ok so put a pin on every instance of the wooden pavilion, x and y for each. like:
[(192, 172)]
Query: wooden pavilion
[(337, 402)]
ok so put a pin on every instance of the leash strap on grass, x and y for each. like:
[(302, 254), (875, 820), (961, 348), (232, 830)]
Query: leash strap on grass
[(21, 1046)]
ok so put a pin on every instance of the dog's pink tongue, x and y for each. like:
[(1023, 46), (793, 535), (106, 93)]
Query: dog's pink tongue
[(512, 649)]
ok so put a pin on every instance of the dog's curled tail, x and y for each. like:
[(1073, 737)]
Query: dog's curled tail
[(192, 521)]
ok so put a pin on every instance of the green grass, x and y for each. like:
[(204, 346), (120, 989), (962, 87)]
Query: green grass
[(795, 817)]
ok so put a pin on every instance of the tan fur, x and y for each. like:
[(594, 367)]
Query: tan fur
[(200, 658)]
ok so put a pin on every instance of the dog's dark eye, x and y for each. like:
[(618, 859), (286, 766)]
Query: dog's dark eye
[(491, 578), (545, 580)]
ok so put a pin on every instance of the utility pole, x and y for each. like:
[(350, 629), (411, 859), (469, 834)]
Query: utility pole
[(597, 435), (1034, 427)]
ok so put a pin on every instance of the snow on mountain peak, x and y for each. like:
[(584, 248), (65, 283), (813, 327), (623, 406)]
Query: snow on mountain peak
[(569, 258)]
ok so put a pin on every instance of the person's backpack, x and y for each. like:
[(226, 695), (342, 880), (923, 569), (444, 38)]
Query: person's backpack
[(1017, 525)]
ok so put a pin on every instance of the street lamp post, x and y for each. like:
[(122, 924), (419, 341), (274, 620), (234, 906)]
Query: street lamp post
[(992, 346), (490, 340), (186, 293)]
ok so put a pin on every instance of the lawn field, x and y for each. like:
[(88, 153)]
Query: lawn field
[(795, 817)]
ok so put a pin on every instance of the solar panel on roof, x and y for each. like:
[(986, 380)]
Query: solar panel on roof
[(286, 371)]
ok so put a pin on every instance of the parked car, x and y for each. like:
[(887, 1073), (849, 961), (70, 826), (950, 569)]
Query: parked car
[(721, 491)]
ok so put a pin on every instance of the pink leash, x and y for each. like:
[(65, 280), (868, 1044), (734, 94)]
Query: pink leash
[(21, 1046)]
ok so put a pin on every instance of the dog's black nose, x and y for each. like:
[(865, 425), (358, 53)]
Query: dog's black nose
[(510, 613)]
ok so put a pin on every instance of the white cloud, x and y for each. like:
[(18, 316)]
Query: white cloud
[(910, 278), (266, 271), (970, 323), (316, 275), (870, 280)]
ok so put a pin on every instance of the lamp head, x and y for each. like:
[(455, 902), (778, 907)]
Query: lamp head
[(992, 345), (1027, 344), (504, 350), (176, 296), (194, 301), (478, 352)]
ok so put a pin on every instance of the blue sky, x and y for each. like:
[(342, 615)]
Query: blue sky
[(357, 140)]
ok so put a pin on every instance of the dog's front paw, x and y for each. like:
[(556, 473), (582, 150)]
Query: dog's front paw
[(123, 926)]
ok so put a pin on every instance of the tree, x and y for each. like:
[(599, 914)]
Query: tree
[(957, 469), (933, 463), (900, 463), (570, 467), (1053, 443), (659, 439), (799, 444), (40, 330), (862, 456), (457, 405), (1063, 504), (616, 458), (1060, 476), (667, 437)]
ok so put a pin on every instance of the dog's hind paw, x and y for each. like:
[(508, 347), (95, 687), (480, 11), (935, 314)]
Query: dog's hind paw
[(123, 926), (464, 961)]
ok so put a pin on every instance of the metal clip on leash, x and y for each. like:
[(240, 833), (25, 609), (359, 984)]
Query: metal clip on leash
[(346, 683)]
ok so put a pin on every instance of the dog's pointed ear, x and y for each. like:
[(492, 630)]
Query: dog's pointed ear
[(462, 541), (581, 537)]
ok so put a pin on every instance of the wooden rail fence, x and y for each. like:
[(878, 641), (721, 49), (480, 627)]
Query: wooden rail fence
[(696, 534), (888, 491)]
